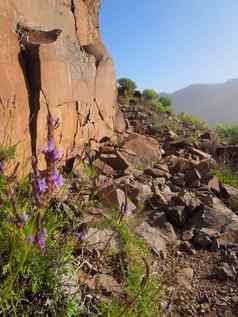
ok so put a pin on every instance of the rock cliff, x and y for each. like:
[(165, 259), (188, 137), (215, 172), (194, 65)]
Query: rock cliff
[(52, 59)]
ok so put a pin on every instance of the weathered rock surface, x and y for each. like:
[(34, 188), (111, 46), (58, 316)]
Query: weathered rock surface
[(67, 71)]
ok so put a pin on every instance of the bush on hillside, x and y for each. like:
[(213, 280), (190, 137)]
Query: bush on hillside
[(150, 94), (227, 133), (165, 101), (158, 107), (190, 120), (126, 87)]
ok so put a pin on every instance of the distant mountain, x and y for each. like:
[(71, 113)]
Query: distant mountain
[(213, 103)]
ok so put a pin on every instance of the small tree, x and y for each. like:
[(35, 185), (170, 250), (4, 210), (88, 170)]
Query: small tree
[(150, 94), (126, 87), (165, 101)]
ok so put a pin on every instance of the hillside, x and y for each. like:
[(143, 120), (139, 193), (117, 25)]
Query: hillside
[(209, 101)]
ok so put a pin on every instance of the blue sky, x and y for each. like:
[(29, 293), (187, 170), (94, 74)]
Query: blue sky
[(169, 44)]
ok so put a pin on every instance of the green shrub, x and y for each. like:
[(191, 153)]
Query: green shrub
[(150, 94), (228, 133), (158, 107), (126, 87), (192, 120), (165, 101)]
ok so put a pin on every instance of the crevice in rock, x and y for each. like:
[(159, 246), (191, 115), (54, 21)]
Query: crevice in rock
[(29, 60), (72, 8), (87, 119), (77, 123), (98, 109)]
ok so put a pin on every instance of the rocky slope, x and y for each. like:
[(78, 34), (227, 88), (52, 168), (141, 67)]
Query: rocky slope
[(166, 190), (52, 59)]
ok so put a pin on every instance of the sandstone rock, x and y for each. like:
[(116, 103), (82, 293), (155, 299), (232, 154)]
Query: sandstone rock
[(201, 154), (176, 215), (187, 247), (162, 166), (161, 223), (152, 237), (232, 191), (203, 167), (159, 183), (120, 123), (137, 192), (192, 175), (99, 239), (14, 108), (204, 237), (104, 168), (214, 185), (156, 172), (217, 217), (225, 271), (191, 200), (113, 197), (179, 179), (229, 195), (145, 149), (72, 76), (230, 234), (116, 160), (182, 165)]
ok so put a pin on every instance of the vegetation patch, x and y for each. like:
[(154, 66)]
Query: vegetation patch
[(227, 133), (226, 176)]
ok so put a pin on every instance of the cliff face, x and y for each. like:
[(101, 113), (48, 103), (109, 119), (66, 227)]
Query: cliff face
[(52, 58)]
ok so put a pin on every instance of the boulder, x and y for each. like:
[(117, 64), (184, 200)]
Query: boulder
[(137, 192), (141, 149), (176, 215), (100, 239), (204, 237), (152, 237), (113, 197), (161, 223), (217, 217), (156, 172), (225, 271)]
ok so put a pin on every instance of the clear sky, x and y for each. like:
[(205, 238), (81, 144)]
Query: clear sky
[(169, 44)]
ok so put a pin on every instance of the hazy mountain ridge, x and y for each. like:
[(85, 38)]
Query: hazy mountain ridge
[(213, 103)]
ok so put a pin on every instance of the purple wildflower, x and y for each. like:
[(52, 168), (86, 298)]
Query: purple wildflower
[(81, 231), (40, 239), (57, 179), (51, 153), (41, 186), (31, 239)]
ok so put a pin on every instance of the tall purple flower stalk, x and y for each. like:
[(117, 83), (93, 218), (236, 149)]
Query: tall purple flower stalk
[(45, 183), (39, 239)]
